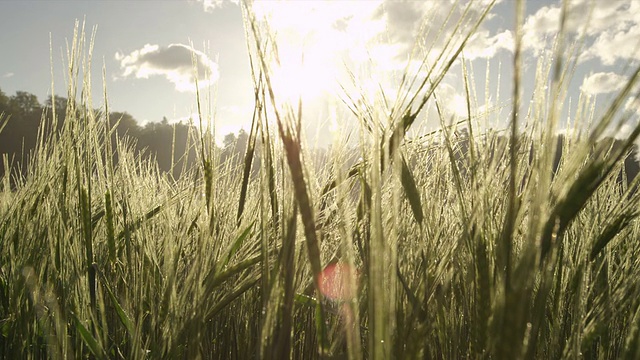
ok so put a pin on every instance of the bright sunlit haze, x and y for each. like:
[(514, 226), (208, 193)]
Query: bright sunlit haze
[(326, 49)]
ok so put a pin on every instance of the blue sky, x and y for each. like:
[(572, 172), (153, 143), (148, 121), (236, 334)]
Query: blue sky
[(122, 28), (146, 47)]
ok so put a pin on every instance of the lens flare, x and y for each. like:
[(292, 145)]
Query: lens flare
[(334, 282)]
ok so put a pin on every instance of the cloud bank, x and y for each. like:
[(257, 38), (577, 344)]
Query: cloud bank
[(174, 62), (603, 83), (611, 29), (610, 82)]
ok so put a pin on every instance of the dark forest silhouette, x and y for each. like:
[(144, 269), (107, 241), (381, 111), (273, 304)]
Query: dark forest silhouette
[(168, 144)]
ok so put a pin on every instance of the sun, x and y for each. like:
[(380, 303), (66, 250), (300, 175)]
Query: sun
[(305, 75), (315, 39)]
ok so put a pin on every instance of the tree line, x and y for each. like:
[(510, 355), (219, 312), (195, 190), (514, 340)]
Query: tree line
[(171, 145)]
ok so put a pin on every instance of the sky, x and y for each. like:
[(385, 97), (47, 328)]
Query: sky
[(147, 49)]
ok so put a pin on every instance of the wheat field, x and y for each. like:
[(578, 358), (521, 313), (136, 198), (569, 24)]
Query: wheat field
[(462, 243)]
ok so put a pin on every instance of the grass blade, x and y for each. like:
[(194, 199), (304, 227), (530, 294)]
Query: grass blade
[(92, 343)]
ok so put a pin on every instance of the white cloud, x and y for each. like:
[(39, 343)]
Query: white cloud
[(539, 27), (403, 19), (633, 104), (610, 82), (616, 45), (453, 102), (8, 75), (211, 5), (483, 45), (434, 23), (603, 15), (174, 62), (611, 28), (603, 83)]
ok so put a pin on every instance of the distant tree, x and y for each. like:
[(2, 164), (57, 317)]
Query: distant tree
[(59, 101), (60, 108), (4, 102), (126, 124), (631, 164), (234, 146), (185, 155), (241, 142), (25, 103), (18, 138), (229, 140), (157, 139)]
